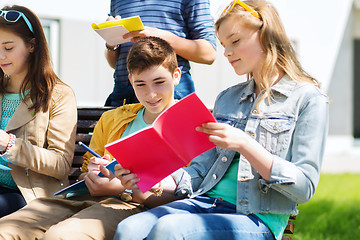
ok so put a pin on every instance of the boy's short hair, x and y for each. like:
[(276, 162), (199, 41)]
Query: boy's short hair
[(151, 51)]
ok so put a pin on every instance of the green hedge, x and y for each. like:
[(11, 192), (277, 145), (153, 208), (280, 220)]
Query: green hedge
[(334, 211)]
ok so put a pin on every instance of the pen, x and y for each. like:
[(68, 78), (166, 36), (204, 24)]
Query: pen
[(90, 150)]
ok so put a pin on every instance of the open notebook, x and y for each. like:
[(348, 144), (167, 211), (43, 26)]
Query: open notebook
[(169, 144), (113, 31)]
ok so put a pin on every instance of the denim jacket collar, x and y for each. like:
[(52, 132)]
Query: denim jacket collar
[(248, 90), (285, 86)]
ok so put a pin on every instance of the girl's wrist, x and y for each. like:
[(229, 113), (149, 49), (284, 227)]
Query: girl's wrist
[(10, 143), (247, 140)]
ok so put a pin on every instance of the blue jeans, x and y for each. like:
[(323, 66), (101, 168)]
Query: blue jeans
[(10, 201), (197, 218)]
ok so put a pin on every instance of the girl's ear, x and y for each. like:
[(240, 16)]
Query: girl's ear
[(32, 45), (177, 76)]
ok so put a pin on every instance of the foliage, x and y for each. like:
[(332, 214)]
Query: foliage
[(334, 211)]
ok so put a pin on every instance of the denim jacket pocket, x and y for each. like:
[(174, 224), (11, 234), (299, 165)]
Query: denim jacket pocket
[(275, 134)]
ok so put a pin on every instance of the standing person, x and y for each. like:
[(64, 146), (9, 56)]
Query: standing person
[(154, 73), (38, 114), (186, 24), (270, 139)]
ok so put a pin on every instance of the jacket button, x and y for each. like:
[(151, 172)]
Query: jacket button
[(255, 111), (224, 159), (214, 176)]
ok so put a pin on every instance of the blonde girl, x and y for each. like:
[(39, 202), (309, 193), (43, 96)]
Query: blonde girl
[(270, 139)]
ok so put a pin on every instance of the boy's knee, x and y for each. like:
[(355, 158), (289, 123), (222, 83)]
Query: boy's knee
[(64, 230), (75, 228), (57, 233)]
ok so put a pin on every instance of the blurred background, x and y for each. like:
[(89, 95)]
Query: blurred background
[(325, 35)]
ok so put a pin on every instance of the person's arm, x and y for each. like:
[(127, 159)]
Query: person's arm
[(198, 50), (167, 187), (150, 199), (228, 137), (112, 54), (97, 143), (308, 144), (296, 177), (107, 185), (92, 166), (54, 157)]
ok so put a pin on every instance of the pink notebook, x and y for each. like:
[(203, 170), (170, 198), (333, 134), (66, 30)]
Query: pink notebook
[(169, 144)]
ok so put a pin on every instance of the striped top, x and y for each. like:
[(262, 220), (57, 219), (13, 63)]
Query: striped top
[(188, 19)]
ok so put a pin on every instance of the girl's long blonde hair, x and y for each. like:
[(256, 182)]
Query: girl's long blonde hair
[(279, 53)]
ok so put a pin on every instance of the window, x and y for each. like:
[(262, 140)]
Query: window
[(52, 33)]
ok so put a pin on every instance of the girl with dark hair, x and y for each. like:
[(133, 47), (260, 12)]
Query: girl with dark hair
[(38, 114)]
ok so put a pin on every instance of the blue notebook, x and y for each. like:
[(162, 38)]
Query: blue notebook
[(3, 167), (79, 187)]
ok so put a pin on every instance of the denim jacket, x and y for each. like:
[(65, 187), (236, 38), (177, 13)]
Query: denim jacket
[(293, 127)]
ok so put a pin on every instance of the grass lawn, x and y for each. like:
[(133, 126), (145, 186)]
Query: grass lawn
[(334, 211)]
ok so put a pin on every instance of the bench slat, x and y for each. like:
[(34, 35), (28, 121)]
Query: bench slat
[(83, 137), (289, 228), (87, 120)]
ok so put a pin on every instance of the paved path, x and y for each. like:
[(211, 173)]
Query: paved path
[(341, 163), (341, 156)]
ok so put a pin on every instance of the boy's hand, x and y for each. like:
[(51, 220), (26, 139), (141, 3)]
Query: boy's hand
[(101, 186), (128, 179), (95, 163)]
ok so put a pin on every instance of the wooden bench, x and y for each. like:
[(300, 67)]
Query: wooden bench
[(87, 119), (289, 229)]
